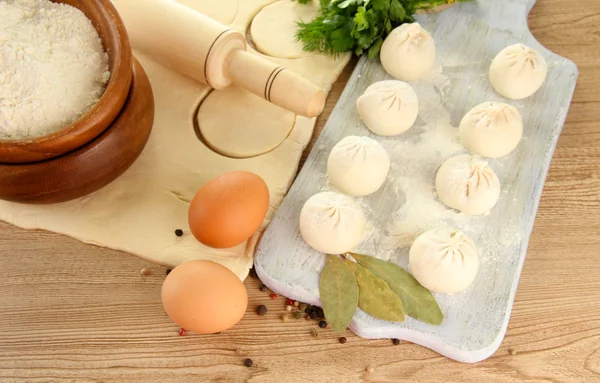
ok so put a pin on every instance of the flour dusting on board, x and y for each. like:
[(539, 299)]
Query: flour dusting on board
[(416, 156)]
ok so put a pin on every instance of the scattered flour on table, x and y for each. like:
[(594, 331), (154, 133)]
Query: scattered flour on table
[(53, 67)]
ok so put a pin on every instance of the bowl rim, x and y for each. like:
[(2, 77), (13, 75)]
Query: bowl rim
[(96, 120)]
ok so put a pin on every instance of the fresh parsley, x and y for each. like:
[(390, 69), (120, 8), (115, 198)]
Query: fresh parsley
[(359, 26)]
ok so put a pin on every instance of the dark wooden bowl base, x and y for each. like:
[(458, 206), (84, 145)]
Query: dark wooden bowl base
[(91, 166)]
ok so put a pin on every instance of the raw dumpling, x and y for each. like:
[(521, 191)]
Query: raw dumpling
[(444, 260), (332, 223), (358, 165), (408, 53), (491, 129), (518, 71), (467, 183), (388, 107)]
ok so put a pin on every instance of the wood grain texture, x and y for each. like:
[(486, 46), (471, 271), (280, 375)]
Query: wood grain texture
[(71, 312), (91, 166), (120, 61), (476, 319)]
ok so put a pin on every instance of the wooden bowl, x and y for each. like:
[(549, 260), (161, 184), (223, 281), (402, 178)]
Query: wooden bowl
[(92, 166), (116, 43)]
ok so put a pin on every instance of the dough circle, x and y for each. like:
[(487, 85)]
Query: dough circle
[(224, 13), (518, 71), (444, 260), (388, 107), (274, 28), (491, 129), (467, 183), (239, 124), (332, 223), (408, 53), (358, 166)]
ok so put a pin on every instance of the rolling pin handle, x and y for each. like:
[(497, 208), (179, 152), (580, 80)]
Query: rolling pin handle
[(275, 84)]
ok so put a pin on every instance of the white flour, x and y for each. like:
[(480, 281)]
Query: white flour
[(53, 68)]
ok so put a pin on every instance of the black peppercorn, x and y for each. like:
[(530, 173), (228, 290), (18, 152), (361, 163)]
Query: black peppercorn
[(168, 271), (343, 340), (320, 313), (263, 288), (248, 362), (313, 315), (396, 341), (253, 273), (308, 309), (322, 324), (179, 232), (261, 310)]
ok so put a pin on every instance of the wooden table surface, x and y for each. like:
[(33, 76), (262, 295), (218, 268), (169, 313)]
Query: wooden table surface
[(71, 312)]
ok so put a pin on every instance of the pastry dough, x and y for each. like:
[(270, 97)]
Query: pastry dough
[(358, 166), (256, 127), (139, 211), (468, 184), (444, 260), (518, 71), (273, 30), (388, 107), (332, 223), (408, 53), (491, 129)]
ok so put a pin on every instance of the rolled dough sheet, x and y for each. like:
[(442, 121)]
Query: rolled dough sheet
[(139, 212)]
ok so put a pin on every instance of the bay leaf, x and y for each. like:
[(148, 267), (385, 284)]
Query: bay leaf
[(375, 297), (418, 302), (339, 293)]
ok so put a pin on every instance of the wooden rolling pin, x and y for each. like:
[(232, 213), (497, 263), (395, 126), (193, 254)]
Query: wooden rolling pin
[(205, 50)]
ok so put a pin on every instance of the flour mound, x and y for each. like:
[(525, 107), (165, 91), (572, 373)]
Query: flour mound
[(53, 68)]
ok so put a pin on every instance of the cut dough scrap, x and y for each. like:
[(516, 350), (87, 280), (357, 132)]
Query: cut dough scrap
[(518, 71), (239, 124), (388, 107), (225, 13), (467, 183), (332, 223), (358, 166), (444, 260), (274, 28), (408, 53), (491, 129)]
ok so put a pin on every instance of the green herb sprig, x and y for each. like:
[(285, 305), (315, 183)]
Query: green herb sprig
[(359, 26)]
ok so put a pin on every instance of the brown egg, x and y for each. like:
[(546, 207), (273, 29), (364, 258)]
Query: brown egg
[(204, 296), (228, 209)]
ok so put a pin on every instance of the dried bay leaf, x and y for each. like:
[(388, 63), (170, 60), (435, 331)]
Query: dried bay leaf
[(375, 297), (339, 292), (418, 302)]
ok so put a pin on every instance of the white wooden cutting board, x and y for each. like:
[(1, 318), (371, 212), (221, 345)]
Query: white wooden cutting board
[(468, 36)]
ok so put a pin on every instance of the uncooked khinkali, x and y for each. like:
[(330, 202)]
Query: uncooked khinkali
[(408, 53), (444, 260), (388, 107), (332, 223), (518, 71), (358, 165), (467, 183), (491, 129)]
